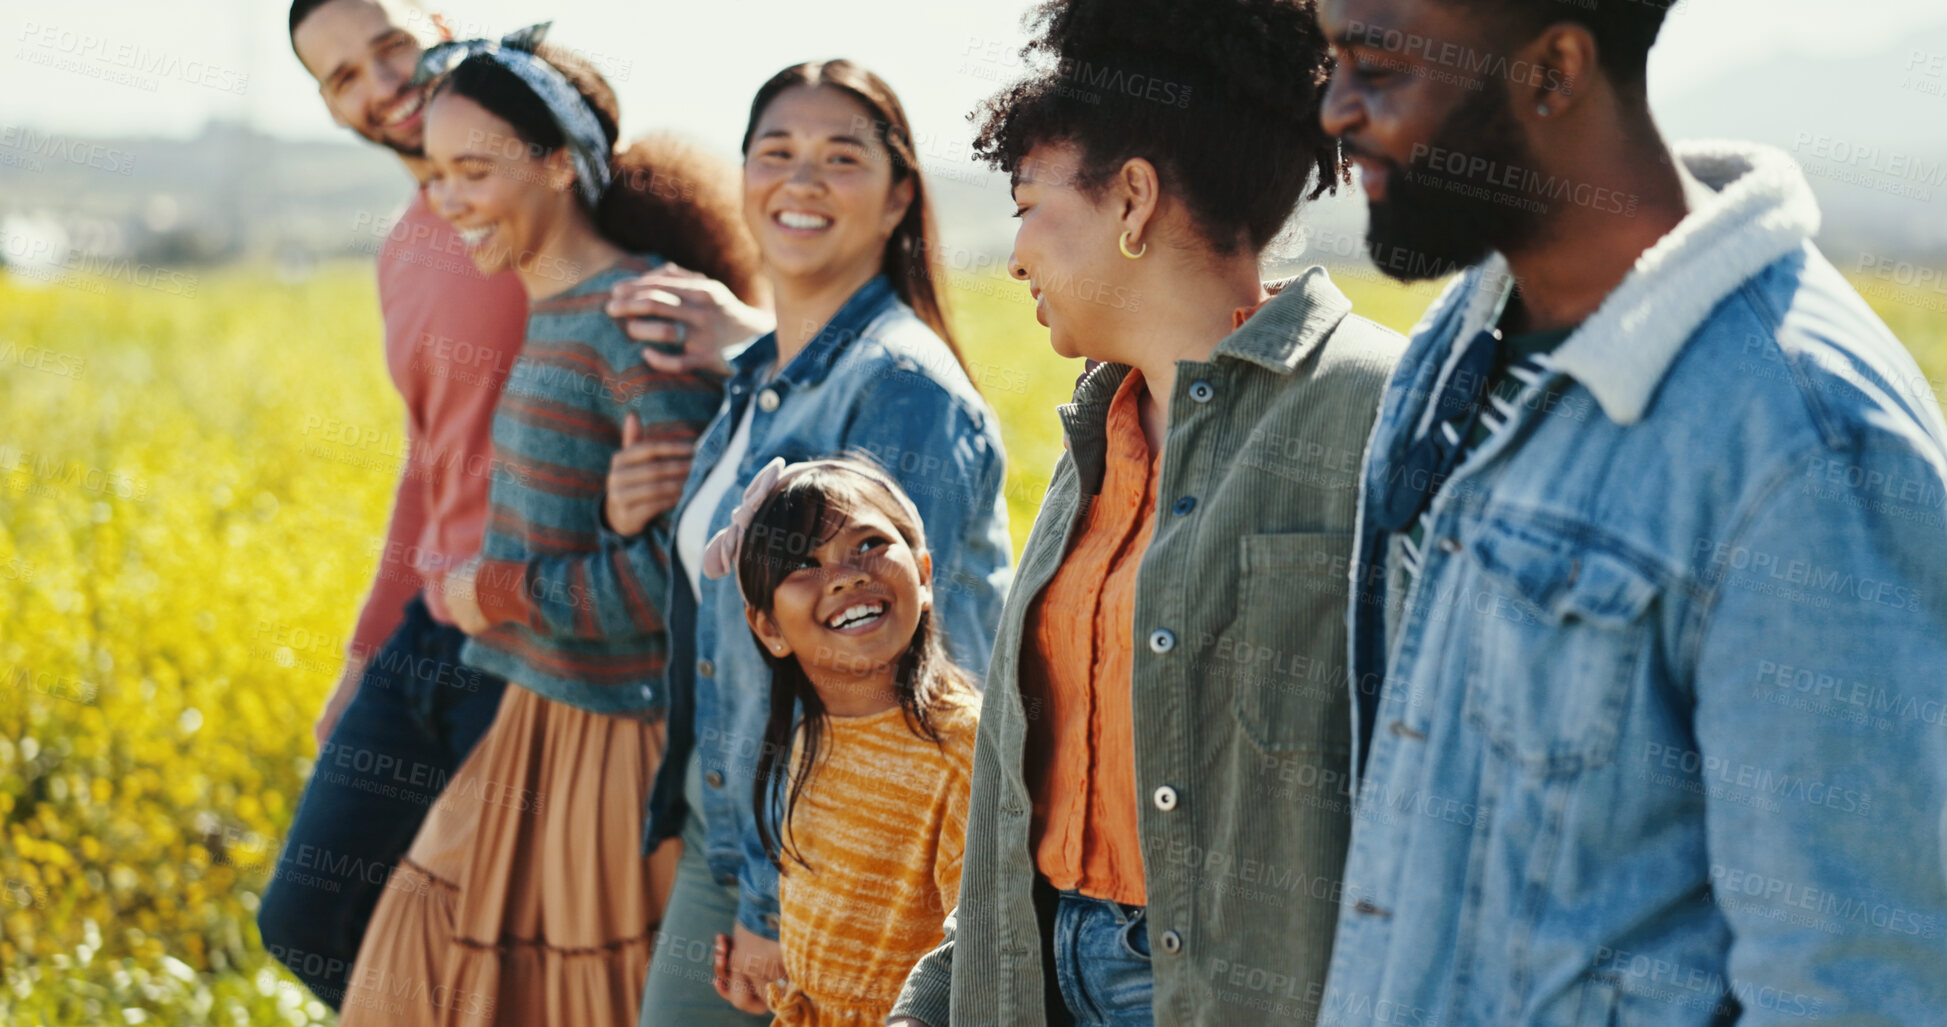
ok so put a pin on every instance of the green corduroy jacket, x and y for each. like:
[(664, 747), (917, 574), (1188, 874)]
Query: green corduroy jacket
[(1242, 706)]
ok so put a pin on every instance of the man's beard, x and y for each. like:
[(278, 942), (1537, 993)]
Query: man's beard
[(1433, 221), (378, 136)]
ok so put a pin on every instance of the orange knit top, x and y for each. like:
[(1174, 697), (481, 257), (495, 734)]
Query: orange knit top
[(883, 825)]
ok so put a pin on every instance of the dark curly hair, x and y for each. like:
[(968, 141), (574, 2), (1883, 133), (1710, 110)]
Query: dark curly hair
[(666, 196), (1221, 96)]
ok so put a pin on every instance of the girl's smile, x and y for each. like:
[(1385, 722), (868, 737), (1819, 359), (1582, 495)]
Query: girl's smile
[(848, 607)]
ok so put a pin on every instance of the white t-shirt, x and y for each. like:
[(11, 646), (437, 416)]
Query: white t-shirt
[(693, 527)]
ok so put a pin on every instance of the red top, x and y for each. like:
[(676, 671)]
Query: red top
[(451, 336)]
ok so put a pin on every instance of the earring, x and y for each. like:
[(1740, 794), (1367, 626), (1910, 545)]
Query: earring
[(1541, 110), (1124, 244)]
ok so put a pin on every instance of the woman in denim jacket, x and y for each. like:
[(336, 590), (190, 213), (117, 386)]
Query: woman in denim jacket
[(861, 361)]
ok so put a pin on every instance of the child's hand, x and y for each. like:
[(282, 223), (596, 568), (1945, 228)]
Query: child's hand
[(645, 479), (745, 963)]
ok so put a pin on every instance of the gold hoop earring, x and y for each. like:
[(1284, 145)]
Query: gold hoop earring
[(1123, 243)]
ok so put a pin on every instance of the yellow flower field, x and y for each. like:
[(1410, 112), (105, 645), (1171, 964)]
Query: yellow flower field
[(193, 483)]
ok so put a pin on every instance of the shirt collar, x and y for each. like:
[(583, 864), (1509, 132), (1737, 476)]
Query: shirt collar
[(1278, 333), (814, 362)]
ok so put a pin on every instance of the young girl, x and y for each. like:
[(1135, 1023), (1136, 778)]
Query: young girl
[(861, 802)]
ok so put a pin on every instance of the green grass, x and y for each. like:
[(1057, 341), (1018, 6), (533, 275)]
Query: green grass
[(190, 487)]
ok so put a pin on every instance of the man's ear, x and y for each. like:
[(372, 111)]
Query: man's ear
[(1564, 63), (925, 561), (766, 631)]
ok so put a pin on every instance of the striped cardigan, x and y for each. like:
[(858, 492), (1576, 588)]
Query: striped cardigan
[(576, 608)]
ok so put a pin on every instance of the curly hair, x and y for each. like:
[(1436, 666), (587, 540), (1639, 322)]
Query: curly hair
[(1221, 96)]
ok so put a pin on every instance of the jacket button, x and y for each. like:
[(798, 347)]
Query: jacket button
[(1172, 942), (715, 778), (1161, 640), (1450, 544), (706, 668), (767, 400), (1166, 798), (1184, 505), (770, 921), (648, 691), (1202, 392)]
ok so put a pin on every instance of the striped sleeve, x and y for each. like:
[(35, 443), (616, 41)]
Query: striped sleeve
[(613, 589)]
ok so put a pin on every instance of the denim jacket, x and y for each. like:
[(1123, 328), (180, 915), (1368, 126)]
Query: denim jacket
[(875, 379), (1661, 736)]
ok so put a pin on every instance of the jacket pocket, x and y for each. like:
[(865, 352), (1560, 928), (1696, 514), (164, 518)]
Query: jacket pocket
[(1559, 635), (1285, 651)]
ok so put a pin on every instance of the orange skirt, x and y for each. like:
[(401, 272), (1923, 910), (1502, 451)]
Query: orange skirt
[(525, 898)]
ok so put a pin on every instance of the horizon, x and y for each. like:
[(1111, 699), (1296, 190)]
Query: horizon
[(103, 69)]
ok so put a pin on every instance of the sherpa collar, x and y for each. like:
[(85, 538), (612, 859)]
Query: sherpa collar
[(1749, 207)]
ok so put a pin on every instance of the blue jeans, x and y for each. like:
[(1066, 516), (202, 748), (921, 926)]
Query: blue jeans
[(1102, 962), (417, 713)]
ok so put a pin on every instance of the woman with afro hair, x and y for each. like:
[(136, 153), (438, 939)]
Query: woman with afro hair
[(1161, 800)]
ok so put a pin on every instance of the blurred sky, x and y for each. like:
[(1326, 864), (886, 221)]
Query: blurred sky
[(692, 66)]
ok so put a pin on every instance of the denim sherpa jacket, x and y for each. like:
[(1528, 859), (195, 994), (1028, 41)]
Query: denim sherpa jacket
[(1660, 739)]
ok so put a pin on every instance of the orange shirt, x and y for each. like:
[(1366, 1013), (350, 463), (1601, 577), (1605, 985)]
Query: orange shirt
[(1082, 627), (1081, 750), (883, 823)]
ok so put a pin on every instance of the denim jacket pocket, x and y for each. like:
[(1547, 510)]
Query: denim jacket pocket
[(1285, 651), (1562, 634)]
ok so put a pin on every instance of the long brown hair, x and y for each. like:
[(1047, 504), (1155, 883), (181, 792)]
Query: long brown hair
[(908, 258), (791, 522), (665, 196)]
